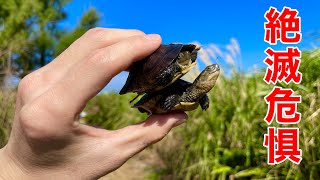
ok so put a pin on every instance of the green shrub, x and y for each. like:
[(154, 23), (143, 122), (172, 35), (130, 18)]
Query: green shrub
[(7, 100), (112, 111)]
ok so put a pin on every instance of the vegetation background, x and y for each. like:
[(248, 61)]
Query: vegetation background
[(225, 142)]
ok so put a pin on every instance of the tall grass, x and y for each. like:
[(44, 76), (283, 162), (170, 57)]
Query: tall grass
[(112, 111), (7, 100)]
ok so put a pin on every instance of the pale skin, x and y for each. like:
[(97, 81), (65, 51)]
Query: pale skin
[(48, 142)]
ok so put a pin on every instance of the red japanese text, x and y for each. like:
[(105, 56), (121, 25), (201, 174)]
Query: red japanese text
[(283, 145), (280, 25)]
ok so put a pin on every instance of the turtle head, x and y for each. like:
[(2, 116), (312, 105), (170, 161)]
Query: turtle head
[(187, 57), (208, 77)]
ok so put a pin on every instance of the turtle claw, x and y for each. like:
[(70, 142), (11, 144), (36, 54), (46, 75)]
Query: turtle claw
[(204, 102), (169, 102), (205, 106), (167, 105)]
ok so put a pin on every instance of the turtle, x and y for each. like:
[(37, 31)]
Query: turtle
[(163, 67), (181, 95)]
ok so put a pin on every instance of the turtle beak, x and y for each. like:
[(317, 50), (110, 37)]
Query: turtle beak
[(216, 67), (194, 54), (213, 68), (197, 48)]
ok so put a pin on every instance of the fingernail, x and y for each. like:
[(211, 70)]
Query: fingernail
[(153, 37), (181, 119)]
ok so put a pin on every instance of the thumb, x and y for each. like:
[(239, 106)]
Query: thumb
[(135, 138)]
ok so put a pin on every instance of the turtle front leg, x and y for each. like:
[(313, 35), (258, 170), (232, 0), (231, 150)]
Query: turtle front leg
[(165, 77), (204, 102), (169, 102)]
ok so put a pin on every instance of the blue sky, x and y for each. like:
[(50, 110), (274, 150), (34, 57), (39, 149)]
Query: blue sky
[(205, 21)]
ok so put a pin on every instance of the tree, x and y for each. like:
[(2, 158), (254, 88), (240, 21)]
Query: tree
[(88, 20), (30, 34)]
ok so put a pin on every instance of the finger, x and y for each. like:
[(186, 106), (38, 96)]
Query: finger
[(134, 139), (85, 80), (94, 39), (120, 145), (91, 75)]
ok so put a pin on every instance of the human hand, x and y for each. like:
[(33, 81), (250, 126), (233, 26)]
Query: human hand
[(48, 142)]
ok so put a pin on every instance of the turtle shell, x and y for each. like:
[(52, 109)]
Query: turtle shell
[(143, 74)]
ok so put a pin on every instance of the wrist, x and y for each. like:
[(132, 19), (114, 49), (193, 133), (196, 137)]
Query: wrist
[(9, 169)]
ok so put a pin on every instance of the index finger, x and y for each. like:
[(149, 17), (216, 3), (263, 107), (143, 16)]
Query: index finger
[(87, 78), (94, 39)]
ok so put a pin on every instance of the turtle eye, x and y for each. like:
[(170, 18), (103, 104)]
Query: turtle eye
[(210, 68), (184, 58)]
